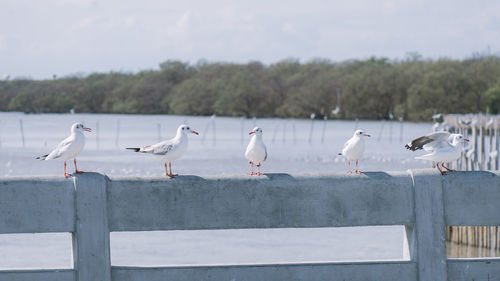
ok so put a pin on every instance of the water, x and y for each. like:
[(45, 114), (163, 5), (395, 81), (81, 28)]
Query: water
[(287, 143), (291, 148)]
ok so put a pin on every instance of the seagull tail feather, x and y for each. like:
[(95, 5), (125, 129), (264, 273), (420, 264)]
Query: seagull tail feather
[(136, 149), (42, 157)]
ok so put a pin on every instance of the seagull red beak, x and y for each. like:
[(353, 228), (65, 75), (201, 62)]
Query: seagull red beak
[(367, 135), (87, 129), (251, 133), (466, 139), (194, 132)]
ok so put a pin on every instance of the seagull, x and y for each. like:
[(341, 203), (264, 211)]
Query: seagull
[(443, 147), (353, 149), (256, 150), (69, 148), (169, 150)]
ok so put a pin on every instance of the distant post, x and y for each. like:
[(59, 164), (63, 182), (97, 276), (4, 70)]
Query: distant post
[(117, 132), (313, 115), (22, 132)]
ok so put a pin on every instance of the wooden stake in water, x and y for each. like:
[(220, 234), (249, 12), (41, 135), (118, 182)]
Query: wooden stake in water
[(275, 133), (117, 132), (473, 154), (242, 129), (312, 127), (22, 132), (381, 131), (401, 129), (284, 131), (481, 147), (497, 144), (293, 131), (390, 131), (158, 127), (391, 117), (489, 162), (97, 134), (213, 129), (205, 131), (324, 129)]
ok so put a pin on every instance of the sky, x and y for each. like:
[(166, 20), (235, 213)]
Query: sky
[(78, 37)]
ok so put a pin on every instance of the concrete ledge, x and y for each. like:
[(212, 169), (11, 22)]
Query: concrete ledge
[(274, 200), (37, 205), (469, 196), (387, 271), (474, 269), (91, 205), (37, 275)]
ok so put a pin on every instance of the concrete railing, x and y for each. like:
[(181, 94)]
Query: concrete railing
[(91, 206)]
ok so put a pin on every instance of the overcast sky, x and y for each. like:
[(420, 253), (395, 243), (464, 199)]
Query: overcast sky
[(63, 37)]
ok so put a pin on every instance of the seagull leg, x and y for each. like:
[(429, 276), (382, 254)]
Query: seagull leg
[(166, 171), (357, 171), (349, 167), (170, 168), (66, 175), (442, 172), (76, 169), (258, 169), (451, 170), (251, 169)]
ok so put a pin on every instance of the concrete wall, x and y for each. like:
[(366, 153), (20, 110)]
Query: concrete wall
[(91, 205)]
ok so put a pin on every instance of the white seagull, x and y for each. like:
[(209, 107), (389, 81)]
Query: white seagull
[(354, 148), (256, 150), (443, 147), (169, 150), (70, 147)]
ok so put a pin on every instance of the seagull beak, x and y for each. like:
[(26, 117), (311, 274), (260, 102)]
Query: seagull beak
[(466, 139), (87, 129), (251, 133), (194, 132), (367, 135)]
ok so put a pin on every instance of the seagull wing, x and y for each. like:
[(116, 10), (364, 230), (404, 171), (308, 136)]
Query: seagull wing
[(162, 148), (61, 148), (429, 142), (347, 143)]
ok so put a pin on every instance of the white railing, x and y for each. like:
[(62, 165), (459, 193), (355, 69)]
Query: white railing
[(91, 206)]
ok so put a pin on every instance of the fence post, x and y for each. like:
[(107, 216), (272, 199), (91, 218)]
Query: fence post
[(430, 225), (91, 250)]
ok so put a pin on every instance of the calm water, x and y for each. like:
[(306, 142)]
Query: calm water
[(294, 146)]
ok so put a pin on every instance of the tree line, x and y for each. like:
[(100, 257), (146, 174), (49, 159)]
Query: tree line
[(375, 88)]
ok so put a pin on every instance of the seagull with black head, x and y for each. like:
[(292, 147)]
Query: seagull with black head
[(169, 150), (353, 149), (443, 147), (70, 147)]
